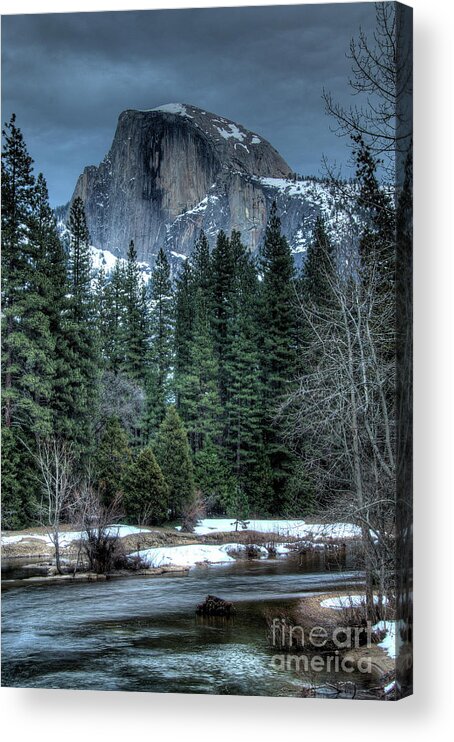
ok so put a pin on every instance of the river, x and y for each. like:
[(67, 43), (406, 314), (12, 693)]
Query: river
[(142, 634)]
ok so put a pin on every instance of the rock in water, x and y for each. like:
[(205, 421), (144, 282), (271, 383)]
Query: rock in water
[(214, 606)]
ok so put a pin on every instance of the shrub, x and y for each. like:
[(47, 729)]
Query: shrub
[(172, 452), (145, 491)]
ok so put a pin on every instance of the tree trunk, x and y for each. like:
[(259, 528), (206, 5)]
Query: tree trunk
[(57, 553)]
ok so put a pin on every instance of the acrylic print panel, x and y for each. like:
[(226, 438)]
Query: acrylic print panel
[(206, 420)]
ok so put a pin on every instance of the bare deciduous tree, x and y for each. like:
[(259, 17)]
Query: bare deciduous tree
[(345, 408), (55, 460), (381, 81), (97, 522), (121, 398)]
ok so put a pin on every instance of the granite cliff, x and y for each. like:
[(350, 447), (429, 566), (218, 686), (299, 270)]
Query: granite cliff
[(174, 170)]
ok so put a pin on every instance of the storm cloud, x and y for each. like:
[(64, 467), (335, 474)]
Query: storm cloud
[(69, 76)]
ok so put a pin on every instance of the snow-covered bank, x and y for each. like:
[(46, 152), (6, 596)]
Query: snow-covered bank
[(185, 556), (67, 537), (192, 554), (347, 601), (283, 528), (388, 628), (388, 643)]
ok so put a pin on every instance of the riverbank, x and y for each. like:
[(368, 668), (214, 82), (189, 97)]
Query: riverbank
[(155, 551), (76, 577), (292, 557), (331, 628)]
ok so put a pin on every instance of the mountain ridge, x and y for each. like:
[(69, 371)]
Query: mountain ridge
[(176, 169)]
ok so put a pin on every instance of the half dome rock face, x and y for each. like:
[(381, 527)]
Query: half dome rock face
[(172, 171)]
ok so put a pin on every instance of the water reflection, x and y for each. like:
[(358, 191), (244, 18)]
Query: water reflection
[(142, 633)]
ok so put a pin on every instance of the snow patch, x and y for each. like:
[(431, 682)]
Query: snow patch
[(388, 644), (296, 528), (16, 539), (198, 208), (107, 260), (67, 537), (178, 255), (282, 550), (186, 556), (347, 601), (234, 133), (177, 108), (103, 258), (233, 548)]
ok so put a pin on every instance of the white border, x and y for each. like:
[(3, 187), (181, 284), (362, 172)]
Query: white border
[(68, 715)]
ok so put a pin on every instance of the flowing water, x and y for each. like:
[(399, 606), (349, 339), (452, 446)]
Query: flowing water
[(142, 634)]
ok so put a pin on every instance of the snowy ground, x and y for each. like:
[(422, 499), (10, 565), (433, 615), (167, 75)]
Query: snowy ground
[(284, 528), (185, 556), (389, 642), (347, 601), (67, 537), (192, 554)]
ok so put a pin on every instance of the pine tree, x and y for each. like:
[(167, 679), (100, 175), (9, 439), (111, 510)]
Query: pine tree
[(239, 507), (83, 380), (315, 289), (243, 406), (33, 287), (57, 311), (223, 269), (19, 482), (80, 263), (184, 326), (315, 299), (49, 308), (135, 320), (319, 266), (114, 319), (200, 262), (173, 454), (278, 345), (18, 263), (260, 486), (162, 321), (33, 342), (377, 246), (112, 458), (199, 401), (102, 311), (214, 479), (145, 490)]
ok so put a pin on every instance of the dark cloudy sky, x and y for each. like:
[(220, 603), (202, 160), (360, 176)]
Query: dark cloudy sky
[(69, 76)]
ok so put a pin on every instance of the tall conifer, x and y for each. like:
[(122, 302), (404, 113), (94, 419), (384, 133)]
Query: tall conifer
[(278, 345), (173, 454), (161, 361)]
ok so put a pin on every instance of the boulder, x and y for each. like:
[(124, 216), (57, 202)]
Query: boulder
[(214, 606)]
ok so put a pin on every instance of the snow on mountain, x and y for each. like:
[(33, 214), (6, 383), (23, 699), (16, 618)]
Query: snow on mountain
[(107, 260), (177, 108), (299, 202), (102, 258)]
